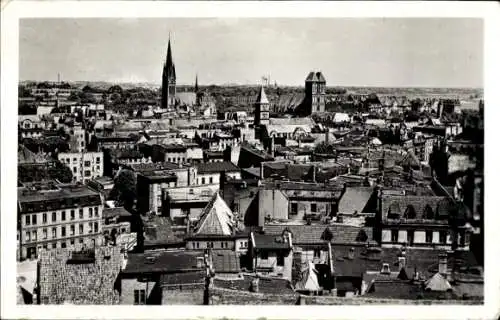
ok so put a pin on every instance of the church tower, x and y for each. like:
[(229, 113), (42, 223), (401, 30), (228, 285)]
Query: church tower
[(261, 116), (315, 93), (168, 81)]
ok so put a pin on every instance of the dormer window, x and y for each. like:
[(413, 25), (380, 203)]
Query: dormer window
[(428, 212), (385, 269), (410, 212)]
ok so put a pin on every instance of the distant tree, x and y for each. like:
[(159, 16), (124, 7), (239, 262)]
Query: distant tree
[(60, 172), (124, 191), (23, 92)]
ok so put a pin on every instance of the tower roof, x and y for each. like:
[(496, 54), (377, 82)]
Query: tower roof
[(216, 218), (262, 97), (311, 77), (315, 76)]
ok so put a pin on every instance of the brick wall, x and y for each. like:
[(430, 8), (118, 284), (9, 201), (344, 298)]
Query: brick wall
[(186, 296), (219, 296)]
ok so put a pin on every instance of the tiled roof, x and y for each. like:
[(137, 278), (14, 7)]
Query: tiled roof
[(87, 283), (441, 206), (112, 212), (354, 199), (162, 262), (213, 167), (270, 241), (184, 278), (144, 167), (216, 218), (158, 231), (225, 261), (266, 285), (315, 234)]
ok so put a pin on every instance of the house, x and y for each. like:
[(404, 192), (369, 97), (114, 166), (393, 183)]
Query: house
[(209, 173), (216, 228), (84, 166), (271, 255), (422, 221), (52, 216), (117, 228), (79, 276), (156, 233), (164, 277)]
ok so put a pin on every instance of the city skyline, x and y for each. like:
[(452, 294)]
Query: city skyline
[(446, 53)]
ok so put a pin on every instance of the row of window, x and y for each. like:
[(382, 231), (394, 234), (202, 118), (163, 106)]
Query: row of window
[(410, 236), (32, 219), (93, 227), (88, 173), (280, 259), (204, 180), (86, 163)]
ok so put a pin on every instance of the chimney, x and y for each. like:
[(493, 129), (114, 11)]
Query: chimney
[(443, 264), (262, 170), (350, 254), (385, 269), (255, 285), (271, 147), (327, 136), (314, 173), (401, 262)]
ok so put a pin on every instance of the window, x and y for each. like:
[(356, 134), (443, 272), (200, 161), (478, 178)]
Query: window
[(428, 236), (87, 163), (27, 220), (202, 180), (54, 245), (96, 226), (280, 260), (63, 245), (313, 207), (44, 218), (72, 214), (211, 180), (394, 235), (97, 160), (54, 216), (75, 159), (80, 228), (33, 235), (139, 296), (63, 215), (442, 236), (317, 253), (294, 208), (264, 255), (409, 236), (80, 213), (63, 231), (72, 242), (90, 212), (54, 233), (80, 241), (87, 173), (74, 169), (90, 227), (96, 211), (72, 230), (28, 234), (44, 234), (33, 219)]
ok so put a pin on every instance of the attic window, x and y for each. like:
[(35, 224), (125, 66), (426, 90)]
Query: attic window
[(410, 212), (385, 269), (428, 213)]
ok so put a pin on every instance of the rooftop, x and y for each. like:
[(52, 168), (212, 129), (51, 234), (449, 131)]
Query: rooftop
[(163, 262), (158, 231), (216, 167)]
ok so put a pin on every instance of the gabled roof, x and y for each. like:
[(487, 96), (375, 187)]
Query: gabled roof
[(211, 167), (308, 280), (437, 283), (225, 261), (216, 218), (311, 77), (261, 97)]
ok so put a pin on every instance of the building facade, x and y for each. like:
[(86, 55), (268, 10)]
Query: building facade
[(84, 166), (51, 217)]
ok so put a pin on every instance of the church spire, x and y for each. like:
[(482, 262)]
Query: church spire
[(169, 61), (196, 84)]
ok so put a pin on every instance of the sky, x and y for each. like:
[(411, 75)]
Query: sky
[(409, 52)]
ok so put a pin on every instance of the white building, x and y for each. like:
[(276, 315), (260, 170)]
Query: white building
[(84, 165)]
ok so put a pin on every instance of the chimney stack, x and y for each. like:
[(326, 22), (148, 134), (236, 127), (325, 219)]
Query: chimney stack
[(271, 147), (443, 264), (314, 173)]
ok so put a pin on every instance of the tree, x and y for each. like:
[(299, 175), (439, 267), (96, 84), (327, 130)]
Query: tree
[(60, 172), (124, 191)]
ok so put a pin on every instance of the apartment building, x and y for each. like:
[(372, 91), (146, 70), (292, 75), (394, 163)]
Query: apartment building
[(54, 216), (84, 165)]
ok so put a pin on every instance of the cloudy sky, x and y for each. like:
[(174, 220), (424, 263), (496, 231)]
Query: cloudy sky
[(350, 52)]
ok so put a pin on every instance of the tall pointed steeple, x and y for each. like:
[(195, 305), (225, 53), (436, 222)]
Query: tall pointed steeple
[(261, 114), (196, 84), (168, 88)]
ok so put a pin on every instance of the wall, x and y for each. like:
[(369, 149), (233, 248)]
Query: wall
[(203, 244), (219, 296), (271, 261), (273, 203), (183, 296), (129, 285)]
